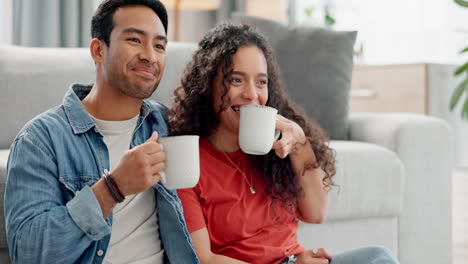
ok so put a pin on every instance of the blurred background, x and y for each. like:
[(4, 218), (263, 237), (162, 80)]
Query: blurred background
[(405, 55), (398, 31)]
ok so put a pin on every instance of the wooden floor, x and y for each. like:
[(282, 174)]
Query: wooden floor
[(460, 216)]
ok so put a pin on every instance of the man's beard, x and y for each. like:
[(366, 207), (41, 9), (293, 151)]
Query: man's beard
[(132, 89), (139, 93)]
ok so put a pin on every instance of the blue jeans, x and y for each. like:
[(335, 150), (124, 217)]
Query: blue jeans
[(366, 255)]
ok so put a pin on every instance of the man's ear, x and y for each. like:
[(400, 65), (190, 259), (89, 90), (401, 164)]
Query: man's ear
[(97, 47)]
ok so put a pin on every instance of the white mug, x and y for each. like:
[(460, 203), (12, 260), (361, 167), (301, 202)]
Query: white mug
[(182, 162), (257, 129)]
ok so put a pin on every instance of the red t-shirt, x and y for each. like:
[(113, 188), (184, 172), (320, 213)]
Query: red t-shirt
[(245, 226)]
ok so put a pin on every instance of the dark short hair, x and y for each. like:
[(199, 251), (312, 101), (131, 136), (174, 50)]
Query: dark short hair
[(102, 22)]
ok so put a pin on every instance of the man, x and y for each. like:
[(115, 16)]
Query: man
[(58, 208)]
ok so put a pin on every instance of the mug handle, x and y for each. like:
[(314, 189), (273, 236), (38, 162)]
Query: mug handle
[(277, 134), (162, 173), (163, 177)]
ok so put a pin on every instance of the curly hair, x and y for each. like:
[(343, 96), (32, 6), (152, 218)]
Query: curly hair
[(192, 111)]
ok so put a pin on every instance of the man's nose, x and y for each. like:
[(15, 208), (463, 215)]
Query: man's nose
[(148, 54)]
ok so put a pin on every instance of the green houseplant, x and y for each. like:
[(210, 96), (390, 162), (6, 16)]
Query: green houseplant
[(328, 19), (462, 89)]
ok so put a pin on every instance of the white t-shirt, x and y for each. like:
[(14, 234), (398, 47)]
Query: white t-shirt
[(135, 235)]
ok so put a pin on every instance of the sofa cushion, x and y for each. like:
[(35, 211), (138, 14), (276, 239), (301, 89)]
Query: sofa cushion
[(370, 182), (177, 56), (317, 66), (36, 79)]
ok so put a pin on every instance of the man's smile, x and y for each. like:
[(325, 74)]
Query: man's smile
[(148, 72)]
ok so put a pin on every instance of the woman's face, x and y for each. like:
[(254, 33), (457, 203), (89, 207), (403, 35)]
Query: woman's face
[(247, 84)]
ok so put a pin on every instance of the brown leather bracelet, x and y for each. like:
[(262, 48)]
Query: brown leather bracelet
[(113, 187), (116, 187)]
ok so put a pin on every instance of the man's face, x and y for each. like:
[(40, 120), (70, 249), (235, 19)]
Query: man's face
[(135, 59)]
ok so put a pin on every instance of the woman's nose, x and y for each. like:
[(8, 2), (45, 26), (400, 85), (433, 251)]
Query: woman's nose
[(250, 91)]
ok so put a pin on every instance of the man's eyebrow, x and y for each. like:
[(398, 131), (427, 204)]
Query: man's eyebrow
[(161, 37), (134, 30), (144, 33)]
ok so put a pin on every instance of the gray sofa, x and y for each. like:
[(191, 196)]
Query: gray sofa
[(394, 171)]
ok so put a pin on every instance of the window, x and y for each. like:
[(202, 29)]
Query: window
[(397, 31)]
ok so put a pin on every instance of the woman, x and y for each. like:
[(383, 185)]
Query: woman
[(245, 209)]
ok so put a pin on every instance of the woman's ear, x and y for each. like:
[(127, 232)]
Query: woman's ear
[(96, 48)]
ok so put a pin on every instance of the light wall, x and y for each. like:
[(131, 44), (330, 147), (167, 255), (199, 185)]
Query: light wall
[(192, 24), (6, 21), (271, 9)]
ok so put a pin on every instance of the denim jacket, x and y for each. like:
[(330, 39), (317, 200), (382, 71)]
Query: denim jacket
[(52, 214)]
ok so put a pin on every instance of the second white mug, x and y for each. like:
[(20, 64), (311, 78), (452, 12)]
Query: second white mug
[(182, 162)]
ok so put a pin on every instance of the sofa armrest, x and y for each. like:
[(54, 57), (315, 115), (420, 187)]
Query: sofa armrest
[(425, 146), (369, 182)]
